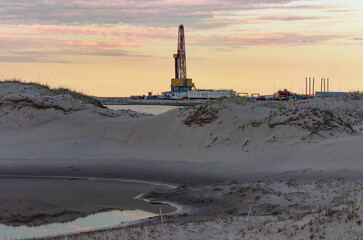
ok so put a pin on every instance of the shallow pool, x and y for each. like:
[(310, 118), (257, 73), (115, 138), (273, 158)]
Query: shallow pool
[(39, 207), (146, 109), (91, 222)]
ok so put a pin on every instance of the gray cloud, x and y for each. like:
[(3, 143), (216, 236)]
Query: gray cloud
[(58, 56), (155, 13), (267, 39)]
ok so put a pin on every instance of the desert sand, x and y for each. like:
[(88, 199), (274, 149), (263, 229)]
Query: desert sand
[(201, 148)]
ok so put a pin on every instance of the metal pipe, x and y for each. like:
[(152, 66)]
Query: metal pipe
[(324, 85), (176, 68), (309, 86), (313, 86), (306, 86), (328, 85)]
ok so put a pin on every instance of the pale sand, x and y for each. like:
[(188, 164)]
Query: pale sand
[(219, 139), (210, 144)]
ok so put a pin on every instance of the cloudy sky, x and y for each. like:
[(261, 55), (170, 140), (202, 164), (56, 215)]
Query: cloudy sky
[(123, 47)]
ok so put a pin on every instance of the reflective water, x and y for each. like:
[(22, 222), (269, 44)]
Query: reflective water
[(56, 205), (96, 221), (147, 109)]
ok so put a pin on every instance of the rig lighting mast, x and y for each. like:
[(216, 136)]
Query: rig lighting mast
[(181, 83)]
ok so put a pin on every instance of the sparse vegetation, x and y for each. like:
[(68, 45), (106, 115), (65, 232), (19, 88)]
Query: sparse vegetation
[(201, 115), (58, 91), (77, 95), (322, 117)]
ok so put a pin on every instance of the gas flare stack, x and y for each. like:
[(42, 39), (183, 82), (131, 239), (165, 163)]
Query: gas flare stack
[(181, 83)]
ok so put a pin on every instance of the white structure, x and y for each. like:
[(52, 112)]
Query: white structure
[(199, 94), (174, 95), (210, 94)]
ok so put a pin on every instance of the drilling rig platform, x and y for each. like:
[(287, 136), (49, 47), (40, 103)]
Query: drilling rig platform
[(182, 86), (181, 83)]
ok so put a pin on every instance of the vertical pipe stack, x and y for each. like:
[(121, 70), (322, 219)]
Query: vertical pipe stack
[(313, 86), (324, 85), (176, 68)]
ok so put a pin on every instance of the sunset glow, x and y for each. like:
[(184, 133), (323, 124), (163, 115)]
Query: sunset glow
[(119, 47)]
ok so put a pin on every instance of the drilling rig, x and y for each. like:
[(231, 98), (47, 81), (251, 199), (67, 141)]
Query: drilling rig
[(181, 83)]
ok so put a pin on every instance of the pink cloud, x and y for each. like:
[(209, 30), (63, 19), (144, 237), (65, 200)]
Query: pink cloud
[(266, 39), (97, 44), (289, 17), (144, 31), (236, 38), (43, 42)]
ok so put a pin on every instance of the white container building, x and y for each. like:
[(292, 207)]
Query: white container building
[(210, 94)]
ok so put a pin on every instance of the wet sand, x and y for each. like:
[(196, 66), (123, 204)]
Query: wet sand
[(164, 171)]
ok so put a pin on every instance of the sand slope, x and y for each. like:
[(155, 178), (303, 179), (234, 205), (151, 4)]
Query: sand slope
[(226, 138), (51, 134)]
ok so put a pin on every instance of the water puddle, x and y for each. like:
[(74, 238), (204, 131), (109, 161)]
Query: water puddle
[(146, 109), (91, 222), (59, 205)]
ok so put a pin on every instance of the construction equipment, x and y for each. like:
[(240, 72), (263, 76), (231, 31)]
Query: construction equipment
[(282, 95), (181, 83)]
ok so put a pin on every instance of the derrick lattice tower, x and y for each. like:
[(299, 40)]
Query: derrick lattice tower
[(181, 83)]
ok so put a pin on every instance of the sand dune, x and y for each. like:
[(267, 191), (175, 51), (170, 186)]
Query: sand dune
[(220, 138), (57, 134)]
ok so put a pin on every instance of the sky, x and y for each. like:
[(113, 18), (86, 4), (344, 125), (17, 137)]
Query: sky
[(125, 47)]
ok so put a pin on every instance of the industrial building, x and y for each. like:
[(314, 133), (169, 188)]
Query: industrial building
[(199, 94), (183, 87)]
